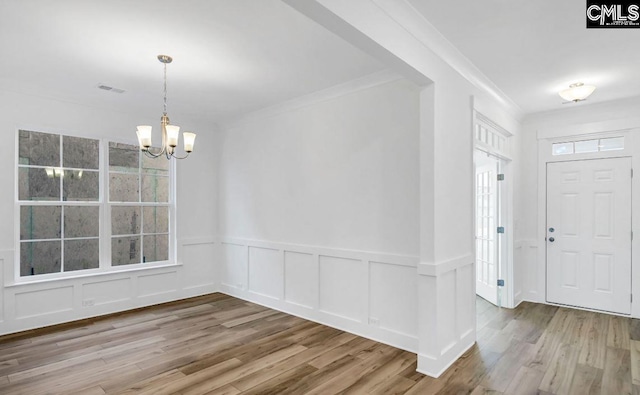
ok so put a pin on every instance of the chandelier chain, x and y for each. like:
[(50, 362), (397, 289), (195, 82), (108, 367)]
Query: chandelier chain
[(165, 89)]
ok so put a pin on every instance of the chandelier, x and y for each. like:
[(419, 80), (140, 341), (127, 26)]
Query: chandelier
[(170, 133)]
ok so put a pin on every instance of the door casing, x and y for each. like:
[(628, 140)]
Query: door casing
[(505, 294), (545, 140), (582, 181)]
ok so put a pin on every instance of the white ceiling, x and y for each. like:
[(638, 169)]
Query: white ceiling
[(531, 49), (230, 56)]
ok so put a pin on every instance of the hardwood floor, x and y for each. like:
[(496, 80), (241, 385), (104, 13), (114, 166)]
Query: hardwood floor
[(217, 344)]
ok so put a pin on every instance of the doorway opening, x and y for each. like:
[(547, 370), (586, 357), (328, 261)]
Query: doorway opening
[(490, 218)]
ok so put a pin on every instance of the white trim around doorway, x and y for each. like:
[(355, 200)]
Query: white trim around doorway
[(503, 154), (631, 149)]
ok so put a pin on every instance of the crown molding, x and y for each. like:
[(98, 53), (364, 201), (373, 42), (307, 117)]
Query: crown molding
[(489, 122), (416, 24), (358, 84)]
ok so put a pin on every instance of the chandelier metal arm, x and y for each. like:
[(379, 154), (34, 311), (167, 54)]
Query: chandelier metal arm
[(151, 154), (168, 154), (180, 157)]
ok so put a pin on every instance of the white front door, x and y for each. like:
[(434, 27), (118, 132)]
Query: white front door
[(589, 234), (487, 213)]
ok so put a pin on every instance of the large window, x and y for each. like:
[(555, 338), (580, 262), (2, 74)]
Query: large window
[(77, 214)]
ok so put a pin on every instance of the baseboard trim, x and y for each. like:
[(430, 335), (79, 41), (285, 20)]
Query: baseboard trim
[(89, 319), (433, 367), (381, 335)]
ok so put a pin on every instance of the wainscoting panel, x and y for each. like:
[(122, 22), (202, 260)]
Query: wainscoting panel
[(53, 301), (394, 286), (370, 294), (465, 300), (233, 259), (447, 297), (266, 272), (526, 259), (157, 284), (3, 262), (41, 302), (301, 279), (342, 291), (105, 292), (199, 265)]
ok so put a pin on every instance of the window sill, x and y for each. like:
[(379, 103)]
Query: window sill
[(164, 265)]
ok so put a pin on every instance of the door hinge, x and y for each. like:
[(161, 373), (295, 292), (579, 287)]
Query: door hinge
[(631, 235), (500, 229), (631, 297), (500, 177), (631, 173), (500, 283)]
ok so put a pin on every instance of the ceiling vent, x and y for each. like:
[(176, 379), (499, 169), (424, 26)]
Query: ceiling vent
[(110, 88)]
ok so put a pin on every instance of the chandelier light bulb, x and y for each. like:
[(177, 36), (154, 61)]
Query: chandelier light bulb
[(144, 135), (189, 139), (173, 133)]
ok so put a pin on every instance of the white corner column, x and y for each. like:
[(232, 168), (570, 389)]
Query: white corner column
[(446, 289), (394, 33)]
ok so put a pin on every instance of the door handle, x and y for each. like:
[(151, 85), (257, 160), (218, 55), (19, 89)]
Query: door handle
[(551, 239)]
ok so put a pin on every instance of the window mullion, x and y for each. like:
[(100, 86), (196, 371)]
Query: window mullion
[(61, 197), (105, 208)]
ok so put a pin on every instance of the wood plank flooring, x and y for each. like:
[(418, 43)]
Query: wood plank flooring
[(216, 344)]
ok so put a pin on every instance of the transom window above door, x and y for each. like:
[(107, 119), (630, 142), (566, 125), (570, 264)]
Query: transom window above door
[(587, 146)]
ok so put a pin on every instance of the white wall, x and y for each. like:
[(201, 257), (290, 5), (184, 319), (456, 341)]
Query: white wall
[(395, 33), (25, 306), (580, 119), (319, 211), (526, 211), (515, 188), (341, 173)]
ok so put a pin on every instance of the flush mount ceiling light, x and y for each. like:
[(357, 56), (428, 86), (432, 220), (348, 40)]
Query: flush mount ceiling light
[(170, 133), (577, 92)]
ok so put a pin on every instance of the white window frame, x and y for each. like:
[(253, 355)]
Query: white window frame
[(597, 139), (105, 267)]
